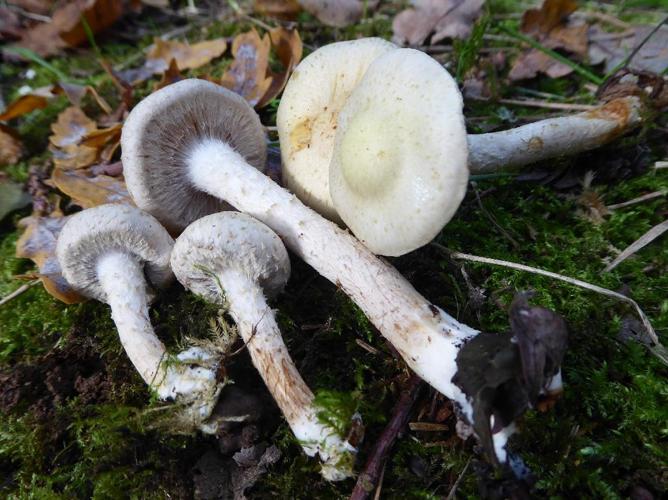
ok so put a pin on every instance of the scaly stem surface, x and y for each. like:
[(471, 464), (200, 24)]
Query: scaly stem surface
[(257, 326)]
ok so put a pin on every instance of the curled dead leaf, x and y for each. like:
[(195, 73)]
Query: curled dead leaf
[(66, 27), (72, 126), (39, 98), (171, 75), (247, 75), (443, 18), (338, 13), (283, 9), (288, 47), (77, 142), (550, 25), (38, 243), (89, 190), (186, 56)]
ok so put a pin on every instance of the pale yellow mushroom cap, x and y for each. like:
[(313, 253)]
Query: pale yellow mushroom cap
[(399, 167), (307, 115)]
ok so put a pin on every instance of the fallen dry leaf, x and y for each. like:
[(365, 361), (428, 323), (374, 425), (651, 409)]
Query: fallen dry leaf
[(288, 47), (89, 190), (171, 75), (10, 146), (186, 56), (283, 9), (443, 18), (552, 14), (38, 243), (10, 25), (39, 98), (652, 56), (72, 126), (77, 142), (550, 26), (338, 13), (247, 75), (529, 64), (66, 27), (75, 93)]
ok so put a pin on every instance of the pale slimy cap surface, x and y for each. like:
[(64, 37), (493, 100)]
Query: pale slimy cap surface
[(308, 112), (399, 168)]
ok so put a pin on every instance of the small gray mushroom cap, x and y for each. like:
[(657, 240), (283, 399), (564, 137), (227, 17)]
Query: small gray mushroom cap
[(161, 131), (229, 241), (95, 232)]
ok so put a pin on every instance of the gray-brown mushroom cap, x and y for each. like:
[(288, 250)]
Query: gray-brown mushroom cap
[(159, 134), (98, 231), (229, 241)]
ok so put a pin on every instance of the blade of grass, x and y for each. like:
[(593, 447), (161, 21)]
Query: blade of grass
[(90, 36), (584, 72), (625, 62), (32, 56)]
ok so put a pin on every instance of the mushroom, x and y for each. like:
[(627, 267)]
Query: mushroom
[(117, 254), (398, 171), (231, 258), (160, 169), (304, 127), (308, 114)]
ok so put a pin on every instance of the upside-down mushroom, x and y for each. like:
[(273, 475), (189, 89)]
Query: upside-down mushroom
[(172, 156), (117, 254), (329, 88), (231, 258)]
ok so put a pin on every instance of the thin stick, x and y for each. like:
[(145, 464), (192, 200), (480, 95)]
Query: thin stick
[(534, 103), (23, 288), (659, 350), (645, 239), (368, 479), (453, 490), (639, 199)]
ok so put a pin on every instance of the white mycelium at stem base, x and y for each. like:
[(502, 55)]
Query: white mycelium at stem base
[(234, 256), (122, 279), (162, 180), (108, 253)]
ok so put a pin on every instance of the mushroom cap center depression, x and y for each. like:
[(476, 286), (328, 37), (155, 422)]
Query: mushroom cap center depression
[(371, 153)]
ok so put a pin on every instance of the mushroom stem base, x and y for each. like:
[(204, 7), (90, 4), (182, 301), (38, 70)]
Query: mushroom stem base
[(190, 377), (545, 139), (257, 326)]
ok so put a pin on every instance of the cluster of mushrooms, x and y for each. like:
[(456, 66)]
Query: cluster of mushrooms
[(373, 137)]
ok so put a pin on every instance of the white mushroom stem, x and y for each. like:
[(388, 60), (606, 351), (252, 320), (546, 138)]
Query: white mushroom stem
[(257, 326), (122, 279), (545, 139), (425, 336)]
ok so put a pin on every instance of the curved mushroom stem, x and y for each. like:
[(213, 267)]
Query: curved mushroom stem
[(122, 279), (257, 327), (545, 139), (426, 337)]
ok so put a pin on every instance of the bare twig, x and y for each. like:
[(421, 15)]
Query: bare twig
[(645, 239), (639, 199), (534, 103), (23, 288), (368, 479), (453, 490), (658, 349)]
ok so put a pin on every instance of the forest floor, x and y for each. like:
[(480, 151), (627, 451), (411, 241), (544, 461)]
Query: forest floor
[(76, 421)]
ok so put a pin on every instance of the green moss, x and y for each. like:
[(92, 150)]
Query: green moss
[(33, 321)]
